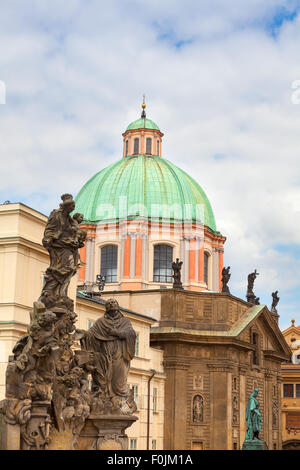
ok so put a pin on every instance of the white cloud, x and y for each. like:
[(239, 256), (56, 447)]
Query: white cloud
[(75, 74)]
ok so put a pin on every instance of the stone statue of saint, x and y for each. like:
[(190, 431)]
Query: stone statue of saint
[(251, 298), (176, 266), (253, 417), (198, 409), (225, 279), (112, 340), (62, 238), (275, 301)]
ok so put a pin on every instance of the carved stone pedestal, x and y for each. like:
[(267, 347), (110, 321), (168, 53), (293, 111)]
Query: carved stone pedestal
[(35, 434), (9, 434), (255, 444), (105, 432)]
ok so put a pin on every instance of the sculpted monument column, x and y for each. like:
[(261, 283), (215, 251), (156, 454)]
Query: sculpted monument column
[(48, 399)]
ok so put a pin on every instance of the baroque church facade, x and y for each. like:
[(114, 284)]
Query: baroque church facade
[(200, 352)]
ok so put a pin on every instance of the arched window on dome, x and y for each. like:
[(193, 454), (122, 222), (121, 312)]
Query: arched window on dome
[(148, 146), (162, 263), (157, 147), (136, 146), (109, 263), (126, 148), (206, 261)]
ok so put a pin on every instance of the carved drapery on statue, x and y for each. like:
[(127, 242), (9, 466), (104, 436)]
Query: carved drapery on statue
[(112, 341)]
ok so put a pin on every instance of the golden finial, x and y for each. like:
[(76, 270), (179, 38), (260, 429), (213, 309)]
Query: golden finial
[(143, 115)]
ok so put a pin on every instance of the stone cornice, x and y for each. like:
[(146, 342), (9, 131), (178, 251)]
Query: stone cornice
[(21, 241), (220, 367), (176, 364), (275, 355)]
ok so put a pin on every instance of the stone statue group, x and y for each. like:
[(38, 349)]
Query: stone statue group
[(50, 383)]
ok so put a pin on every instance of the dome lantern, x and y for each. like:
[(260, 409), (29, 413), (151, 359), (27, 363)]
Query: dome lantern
[(142, 137)]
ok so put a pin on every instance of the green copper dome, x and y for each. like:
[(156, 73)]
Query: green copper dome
[(143, 186), (143, 123)]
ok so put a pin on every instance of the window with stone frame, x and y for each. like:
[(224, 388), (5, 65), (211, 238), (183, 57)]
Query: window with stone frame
[(135, 389), (157, 147), (155, 395), (133, 444), (126, 148), (136, 146), (109, 263), (288, 390), (137, 345), (148, 146), (162, 263)]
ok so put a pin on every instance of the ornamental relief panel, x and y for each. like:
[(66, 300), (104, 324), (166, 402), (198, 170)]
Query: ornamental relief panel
[(274, 414), (235, 410), (197, 382)]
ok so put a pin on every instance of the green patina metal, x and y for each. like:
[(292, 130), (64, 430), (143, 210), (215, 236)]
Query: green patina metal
[(143, 186), (142, 123)]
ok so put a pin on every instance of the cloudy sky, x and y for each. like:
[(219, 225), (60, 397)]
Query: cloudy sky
[(218, 78)]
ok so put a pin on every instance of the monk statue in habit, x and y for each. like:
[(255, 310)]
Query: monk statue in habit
[(112, 342)]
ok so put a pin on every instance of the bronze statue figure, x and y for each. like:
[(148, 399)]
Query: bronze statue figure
[(176, 266), (253, 417), (225, 279)]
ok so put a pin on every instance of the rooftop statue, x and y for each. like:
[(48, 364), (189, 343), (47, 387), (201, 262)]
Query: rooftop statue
[(225, 279), (176, 266), (251, 298), (275, 302)]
